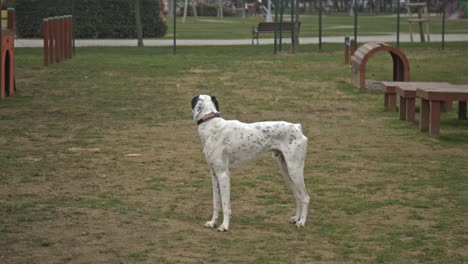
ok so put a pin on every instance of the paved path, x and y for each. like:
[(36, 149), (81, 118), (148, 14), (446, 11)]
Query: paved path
[(29, 43)]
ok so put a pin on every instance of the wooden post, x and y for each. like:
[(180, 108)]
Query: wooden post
[(462, 110), (57, 39), (45, 31), (352, 47), (68, 34), (346, 51), (402, 108), (51, 37), (62, 38), (410, 109), (424, 115), (434, 120), (3, 93), (11, 18)]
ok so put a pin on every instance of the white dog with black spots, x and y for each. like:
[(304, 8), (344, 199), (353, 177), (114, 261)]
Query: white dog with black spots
[(228, 143)]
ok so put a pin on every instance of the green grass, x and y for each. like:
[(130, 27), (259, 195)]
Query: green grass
[(71, 189)]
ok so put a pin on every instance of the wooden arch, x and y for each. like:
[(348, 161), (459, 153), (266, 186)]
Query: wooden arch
[(401, 70), (7, 56)]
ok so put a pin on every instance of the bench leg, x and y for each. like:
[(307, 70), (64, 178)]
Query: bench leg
[(392, 102), (410, 111), (462, 110), (402, 108), (386, 107), (424, 115), (434, 121)]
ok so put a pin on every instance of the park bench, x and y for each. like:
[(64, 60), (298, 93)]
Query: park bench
[(269, 27)]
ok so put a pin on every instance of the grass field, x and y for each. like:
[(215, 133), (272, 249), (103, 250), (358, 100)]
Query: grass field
[(332, 25), (101, 162)]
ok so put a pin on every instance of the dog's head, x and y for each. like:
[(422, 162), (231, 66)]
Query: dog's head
[(203, 105)]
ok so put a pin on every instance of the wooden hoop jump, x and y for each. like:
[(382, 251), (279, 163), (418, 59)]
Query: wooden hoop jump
[(7, 64), (401, 69)]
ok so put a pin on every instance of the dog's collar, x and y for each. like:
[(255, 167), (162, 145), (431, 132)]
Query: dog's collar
[(208, 117)]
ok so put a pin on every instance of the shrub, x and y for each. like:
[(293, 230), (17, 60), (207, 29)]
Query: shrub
[(92, 18)]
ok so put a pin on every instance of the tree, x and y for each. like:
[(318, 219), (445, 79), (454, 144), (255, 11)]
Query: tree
[(185, 10), (194, 8), (220, 9)]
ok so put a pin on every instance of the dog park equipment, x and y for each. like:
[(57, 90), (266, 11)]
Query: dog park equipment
[(422, 20), (350, 48), (406, 92), (7, 64), (401, 69), (431, 99), (433, 96), (58, 42)]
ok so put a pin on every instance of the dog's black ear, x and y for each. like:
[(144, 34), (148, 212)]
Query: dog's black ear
[(215, 102), (194, 101)]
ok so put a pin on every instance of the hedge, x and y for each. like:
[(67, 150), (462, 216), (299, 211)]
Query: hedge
[(91, 18)]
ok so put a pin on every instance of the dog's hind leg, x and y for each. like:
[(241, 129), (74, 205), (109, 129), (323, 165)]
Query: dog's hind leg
[(284, 171), (296, 174), (295, 164), (216, 202)]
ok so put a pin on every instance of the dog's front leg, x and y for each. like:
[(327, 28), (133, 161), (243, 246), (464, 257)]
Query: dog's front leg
[(224, 185), (216, 202)]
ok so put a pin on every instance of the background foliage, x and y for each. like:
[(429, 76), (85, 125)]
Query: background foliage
[(92, 18)]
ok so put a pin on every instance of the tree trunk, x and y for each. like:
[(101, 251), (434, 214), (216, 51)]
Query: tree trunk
[(139, 28), (194, 8), (185, 11), (220, 9)]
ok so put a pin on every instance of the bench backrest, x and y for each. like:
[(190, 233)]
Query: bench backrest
[(270, 26)]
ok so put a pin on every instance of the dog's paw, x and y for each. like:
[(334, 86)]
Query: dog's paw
[(300, 224), (223, 228), (293, 220), (210, 224)]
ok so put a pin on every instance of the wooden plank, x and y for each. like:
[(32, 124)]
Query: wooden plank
[(412, 86), (359, 54), (444, 93)]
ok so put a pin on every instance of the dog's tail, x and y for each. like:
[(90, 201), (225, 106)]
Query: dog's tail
[(298, 127)]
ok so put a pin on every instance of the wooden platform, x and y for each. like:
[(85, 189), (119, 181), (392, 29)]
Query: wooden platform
[(431, 98), (407, 94), (435, 96)]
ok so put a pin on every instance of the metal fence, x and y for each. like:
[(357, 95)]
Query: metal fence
[(215, 23)]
